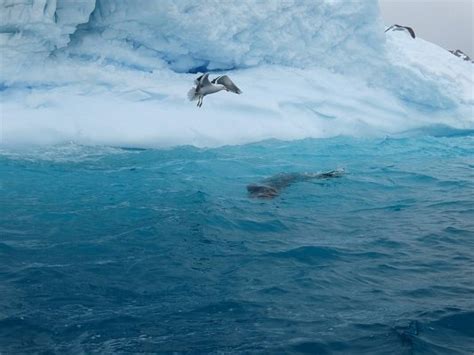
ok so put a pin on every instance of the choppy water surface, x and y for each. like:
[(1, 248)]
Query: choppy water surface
[(121, 250)]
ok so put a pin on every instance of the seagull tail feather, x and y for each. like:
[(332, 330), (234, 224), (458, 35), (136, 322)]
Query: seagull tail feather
[(192, 94)]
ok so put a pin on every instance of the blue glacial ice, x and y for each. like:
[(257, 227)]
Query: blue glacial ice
[(117, 72)]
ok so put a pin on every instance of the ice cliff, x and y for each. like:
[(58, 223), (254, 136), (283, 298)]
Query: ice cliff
[(31, 30), (189, 35), (211, 34), (117, 72)]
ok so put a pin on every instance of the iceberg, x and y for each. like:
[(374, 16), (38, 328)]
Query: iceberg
[(116, 72), (216, 35), (32, 30)]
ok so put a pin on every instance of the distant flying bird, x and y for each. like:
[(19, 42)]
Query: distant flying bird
[(205, 87), (402, 28)]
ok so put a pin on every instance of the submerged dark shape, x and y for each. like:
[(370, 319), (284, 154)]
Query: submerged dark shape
[(402, 28), (272, 186)]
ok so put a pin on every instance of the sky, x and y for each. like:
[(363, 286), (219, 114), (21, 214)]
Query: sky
[(448, 23)]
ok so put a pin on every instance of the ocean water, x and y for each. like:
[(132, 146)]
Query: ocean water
[(122, 250)]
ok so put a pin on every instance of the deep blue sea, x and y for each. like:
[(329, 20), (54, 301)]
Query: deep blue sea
[(120, 250)]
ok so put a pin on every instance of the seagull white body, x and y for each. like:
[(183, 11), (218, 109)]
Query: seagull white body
[(205, 87)]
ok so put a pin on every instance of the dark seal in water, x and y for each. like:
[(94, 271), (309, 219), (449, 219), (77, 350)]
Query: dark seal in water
[(272, 186)]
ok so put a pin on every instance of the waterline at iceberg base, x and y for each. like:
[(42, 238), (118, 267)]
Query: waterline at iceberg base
[(125, 222)]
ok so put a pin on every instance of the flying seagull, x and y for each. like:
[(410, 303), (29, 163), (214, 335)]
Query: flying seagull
[(205, 87), (402, 28)]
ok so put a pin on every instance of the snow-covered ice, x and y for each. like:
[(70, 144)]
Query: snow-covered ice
[(117, 72), (30, 30), (186, 35)]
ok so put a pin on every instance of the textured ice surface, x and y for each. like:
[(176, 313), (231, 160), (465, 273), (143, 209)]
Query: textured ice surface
[(30, 30), (214, 34), (422, 59), (111, 72), (189, 35)]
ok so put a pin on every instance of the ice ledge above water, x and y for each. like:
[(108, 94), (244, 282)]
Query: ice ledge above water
[(188, 36), (111, 78)]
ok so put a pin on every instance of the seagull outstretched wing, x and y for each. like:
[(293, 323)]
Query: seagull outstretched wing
[(401, 28), (203, 80), (409, 29), (229, 84), (197, 80)]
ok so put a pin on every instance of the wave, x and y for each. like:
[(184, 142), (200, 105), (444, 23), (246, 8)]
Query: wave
[(438, 130)]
